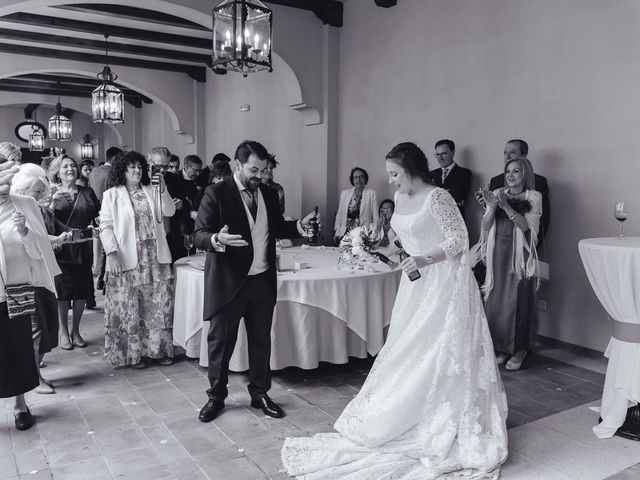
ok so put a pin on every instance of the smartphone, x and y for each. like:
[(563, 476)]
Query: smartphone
[(81, 234)]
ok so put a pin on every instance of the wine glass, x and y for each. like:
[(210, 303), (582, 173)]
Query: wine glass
[(188, 243), (621, 213)]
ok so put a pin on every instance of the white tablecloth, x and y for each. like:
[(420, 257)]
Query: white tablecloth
[(613, 269), (322, 313)]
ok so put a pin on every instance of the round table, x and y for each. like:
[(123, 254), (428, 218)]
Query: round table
[(613, 269), (322, 314)]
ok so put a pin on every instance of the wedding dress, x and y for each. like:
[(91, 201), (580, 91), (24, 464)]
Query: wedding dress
[(433, 405)]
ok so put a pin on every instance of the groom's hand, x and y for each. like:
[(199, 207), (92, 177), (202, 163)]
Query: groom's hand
[(230, 239)]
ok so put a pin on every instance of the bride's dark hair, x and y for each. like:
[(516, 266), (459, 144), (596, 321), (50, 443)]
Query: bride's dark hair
[(410, 157)]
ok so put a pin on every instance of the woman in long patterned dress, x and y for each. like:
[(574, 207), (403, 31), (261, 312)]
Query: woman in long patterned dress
[(139, 286), (508, 246), (76, 207), (433, 405)]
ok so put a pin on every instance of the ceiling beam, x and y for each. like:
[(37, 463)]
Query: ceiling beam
[(100, 45), (197, 73), (133, 13), (132, 100), (102, 29), (29, 109), (63, 84), (329, 11)]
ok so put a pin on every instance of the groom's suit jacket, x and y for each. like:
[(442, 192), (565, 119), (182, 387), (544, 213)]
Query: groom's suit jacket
[(225, 272)]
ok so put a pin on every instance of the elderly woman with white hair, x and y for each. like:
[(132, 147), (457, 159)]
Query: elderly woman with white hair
[(32, 181), (26, 262)]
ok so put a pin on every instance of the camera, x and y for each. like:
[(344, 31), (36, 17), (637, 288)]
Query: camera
[(155, 171)]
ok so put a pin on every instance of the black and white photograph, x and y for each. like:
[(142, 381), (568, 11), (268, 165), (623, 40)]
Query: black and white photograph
[(319, 240)]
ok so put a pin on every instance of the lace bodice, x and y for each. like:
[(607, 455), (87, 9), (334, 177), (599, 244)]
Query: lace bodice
[(437, 223)]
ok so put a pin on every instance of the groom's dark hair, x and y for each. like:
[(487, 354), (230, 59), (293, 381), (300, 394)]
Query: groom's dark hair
[(248, 148), (412, 159)]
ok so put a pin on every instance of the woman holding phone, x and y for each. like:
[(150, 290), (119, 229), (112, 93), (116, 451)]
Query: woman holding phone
[(139, 287), (76, 207)]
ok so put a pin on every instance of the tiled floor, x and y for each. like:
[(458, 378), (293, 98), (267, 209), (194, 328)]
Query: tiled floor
[(104, 423)]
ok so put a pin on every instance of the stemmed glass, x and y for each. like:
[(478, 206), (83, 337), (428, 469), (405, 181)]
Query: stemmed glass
[(621, 213), (188, 244)]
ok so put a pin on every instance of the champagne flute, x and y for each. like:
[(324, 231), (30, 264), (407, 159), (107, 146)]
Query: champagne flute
[(621, 213), (188, 244)]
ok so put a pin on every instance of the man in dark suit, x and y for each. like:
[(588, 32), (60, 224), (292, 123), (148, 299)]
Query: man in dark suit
[(453, 178), (237, 224), (98, 180), (203, 178), (515, 150), (160, 158)]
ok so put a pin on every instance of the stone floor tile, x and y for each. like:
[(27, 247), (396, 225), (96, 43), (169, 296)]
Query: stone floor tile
[(78, 471), (323, 427), (191, 384), (96, 403), (187, 470), (565, 454), (520, 467), (32, 460), (42, 474), (516, 419), (335, 408), (154, 392), (62, 427), (128, 461), (267, 460), (238, 469), (201, 443), (8, 467), (71, 451), (533, 409), (26, 440), (114, 415), (308, 416), (218, 455), (290, 401), (171, 403), (562, 398), (122, 437), (315, 394), (631, 473)]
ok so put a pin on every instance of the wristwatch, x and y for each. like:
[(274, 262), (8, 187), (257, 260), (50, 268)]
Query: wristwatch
[(215, 241), (430, 260)]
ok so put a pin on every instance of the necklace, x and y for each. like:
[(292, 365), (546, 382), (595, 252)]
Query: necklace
[(514, 194)]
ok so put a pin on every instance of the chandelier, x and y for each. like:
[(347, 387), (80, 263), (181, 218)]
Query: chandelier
[(86, 148), (107, 100), (242, 31), (59, 125), (36, 139)]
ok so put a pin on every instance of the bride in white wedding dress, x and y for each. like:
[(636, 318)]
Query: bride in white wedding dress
[(433, 405)]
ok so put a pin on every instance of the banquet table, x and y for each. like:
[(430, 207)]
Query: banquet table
[(613, 268), (323, 312)]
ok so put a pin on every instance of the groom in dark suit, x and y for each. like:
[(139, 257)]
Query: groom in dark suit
[(238, 223)]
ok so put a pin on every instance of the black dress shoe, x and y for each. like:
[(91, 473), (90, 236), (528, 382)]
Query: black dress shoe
[(90, 303), (268, 406), (211, 410), (24, 420)]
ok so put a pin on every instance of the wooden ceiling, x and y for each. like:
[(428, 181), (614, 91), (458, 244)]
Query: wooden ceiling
[(138, 37)]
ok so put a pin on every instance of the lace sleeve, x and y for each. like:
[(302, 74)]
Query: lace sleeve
[(447, 216)]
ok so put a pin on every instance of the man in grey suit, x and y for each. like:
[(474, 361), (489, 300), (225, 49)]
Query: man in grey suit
[(98, 181)]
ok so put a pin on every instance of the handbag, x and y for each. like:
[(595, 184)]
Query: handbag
[(20, 299)]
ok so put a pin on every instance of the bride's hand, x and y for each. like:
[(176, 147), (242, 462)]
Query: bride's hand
[(410, 264)]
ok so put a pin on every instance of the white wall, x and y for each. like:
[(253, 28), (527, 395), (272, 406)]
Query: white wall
[(270, 121), (563, 75)]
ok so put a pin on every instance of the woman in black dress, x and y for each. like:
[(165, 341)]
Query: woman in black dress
[(76, 207)]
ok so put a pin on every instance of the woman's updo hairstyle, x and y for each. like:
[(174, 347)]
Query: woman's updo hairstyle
[(412, 159)]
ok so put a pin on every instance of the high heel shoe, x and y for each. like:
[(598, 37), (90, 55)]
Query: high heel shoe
[(66, 344), (78, 341), (515, 362)]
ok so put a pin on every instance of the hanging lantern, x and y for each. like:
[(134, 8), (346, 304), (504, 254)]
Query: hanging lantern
[(36, 140), (59, 125), (107, 100), (242, 32), (86, 148)]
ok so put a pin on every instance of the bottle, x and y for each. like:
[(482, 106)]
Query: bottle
[(314, 228), (413, 276)]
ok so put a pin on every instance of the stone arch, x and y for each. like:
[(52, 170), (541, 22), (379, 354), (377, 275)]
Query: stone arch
[(14, 98), (290, 80)]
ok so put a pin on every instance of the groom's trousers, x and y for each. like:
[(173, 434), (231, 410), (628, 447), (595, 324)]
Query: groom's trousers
[(254, 302)]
